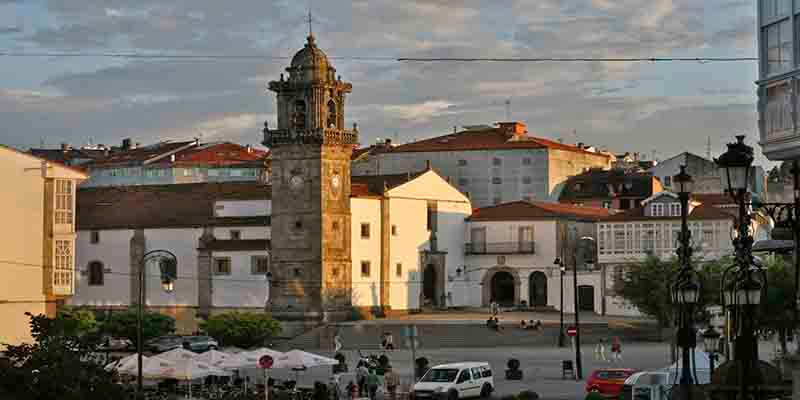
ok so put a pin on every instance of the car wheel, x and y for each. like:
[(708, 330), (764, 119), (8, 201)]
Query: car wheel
[(452, 395), (486, 391), (594, 390)]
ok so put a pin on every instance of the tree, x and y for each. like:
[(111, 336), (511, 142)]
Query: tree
[(55, 366), (777, 315), (240, 329), (76, 321), (123, 324), (643, 286)]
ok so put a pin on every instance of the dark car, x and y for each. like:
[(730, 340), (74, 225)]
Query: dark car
[(608, 381), (199, 343), (164, 343)]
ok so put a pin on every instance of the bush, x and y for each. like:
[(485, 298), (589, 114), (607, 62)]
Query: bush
[(123, 324), (528, 395), (239, 329)]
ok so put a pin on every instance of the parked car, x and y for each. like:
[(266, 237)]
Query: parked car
[(456, 381), (164, 343), (111, 343), (608, 381), (199, 343)]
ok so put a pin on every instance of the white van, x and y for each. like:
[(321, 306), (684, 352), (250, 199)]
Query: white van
[(456, 381)]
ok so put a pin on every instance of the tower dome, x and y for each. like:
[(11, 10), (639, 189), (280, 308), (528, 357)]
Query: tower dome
[(310, 63)]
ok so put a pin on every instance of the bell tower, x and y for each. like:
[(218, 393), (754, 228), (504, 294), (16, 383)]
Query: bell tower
[(310, 264)]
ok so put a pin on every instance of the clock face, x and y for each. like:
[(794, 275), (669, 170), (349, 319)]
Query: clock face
[(296, 182), (336, 181)]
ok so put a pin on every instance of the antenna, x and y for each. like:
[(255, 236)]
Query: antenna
[(310, 20), (575, 133), (41, 142), (508, 110), (708, 148), (654, 154)]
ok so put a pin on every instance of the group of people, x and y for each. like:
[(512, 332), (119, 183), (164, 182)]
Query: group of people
[(533, 325), (616, 350), (368, 380)]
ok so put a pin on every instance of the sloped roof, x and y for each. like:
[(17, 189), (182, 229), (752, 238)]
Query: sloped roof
[(597, 183), (703, 211), (160, 206), (484, 139), (67, 156), (220, 154), (78, 170), (139, 155), (530, 210), (716, 199), (373, 185)]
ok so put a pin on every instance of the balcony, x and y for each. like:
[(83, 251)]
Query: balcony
[(273, 137), (522, 247)]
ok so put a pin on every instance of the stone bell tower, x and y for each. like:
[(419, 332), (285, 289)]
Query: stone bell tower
[(311, 153)]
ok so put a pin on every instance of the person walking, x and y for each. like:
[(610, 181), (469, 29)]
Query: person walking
[(600, 351), (361, 379), (616, 349), (392, 382), (389, 341), (372, 384)]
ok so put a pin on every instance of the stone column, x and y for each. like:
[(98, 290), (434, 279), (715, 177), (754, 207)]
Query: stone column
[(385, 274), (205, 284)]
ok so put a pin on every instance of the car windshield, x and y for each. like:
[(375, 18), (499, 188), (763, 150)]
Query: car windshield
[(440, 375)]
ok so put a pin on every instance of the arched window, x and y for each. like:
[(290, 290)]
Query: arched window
[(332, 114), (299, 115), (96, 273)]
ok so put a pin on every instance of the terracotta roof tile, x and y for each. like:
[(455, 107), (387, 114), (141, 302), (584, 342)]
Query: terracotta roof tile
[(159, 206), (220, 154), (139, 154), (523, 210), (485, 139)]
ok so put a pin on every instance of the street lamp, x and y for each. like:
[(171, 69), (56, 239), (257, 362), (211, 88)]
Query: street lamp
[(168, 267), (711, 345), (562, 270)]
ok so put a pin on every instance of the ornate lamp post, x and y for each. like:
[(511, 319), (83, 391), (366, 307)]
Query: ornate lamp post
[(711, 345), (168, 266), (562, 270), (745, 281)]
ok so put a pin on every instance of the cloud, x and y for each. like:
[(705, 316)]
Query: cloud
[(10, 30), (420, 111)]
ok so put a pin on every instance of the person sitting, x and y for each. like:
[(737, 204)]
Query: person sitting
[(489, 322), (538, 325), (522, 324)]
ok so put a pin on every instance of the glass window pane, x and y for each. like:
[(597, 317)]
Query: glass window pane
[(785, 34)]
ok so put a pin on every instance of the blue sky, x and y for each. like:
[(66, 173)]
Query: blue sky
[(668, 107)]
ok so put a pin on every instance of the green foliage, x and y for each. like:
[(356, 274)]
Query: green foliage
[(243, 330), (647, 285), (55, 366), (777, 314), (123, 324), (75, 321)]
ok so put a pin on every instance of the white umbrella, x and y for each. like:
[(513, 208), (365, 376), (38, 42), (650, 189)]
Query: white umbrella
[(177, 355), (213, 357), (150, 366), (300, 359), (188, 370), (124, 362), (248, 359)]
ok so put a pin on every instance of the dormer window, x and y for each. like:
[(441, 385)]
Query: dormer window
[(657, 210), (675, 209)]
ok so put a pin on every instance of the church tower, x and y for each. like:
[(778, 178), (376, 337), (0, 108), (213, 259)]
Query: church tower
[(310, 149)]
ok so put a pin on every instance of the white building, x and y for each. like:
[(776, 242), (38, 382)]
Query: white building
[(491, 165), (511, 249), (404, 228), (707, 176), (629, 237)]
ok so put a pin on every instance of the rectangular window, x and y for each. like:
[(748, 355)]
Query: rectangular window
[(364, 231), (777, 112), (236, 235), (497, 162), (462, 163), (394, 230), (222, 266), (477, 238), (497, 180), (62, 273), (526, 180), (259, 265), (619, 238), (187, 172), (675, 209), (526, 239), (365, 269), (667, 181), (63, 203), (213, 172), (463, 181), (95, 237), (778, 49), (657, 210), (526, 161), (236, 172), (398, 270)]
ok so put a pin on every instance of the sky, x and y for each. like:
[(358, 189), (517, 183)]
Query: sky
[(645, 107)]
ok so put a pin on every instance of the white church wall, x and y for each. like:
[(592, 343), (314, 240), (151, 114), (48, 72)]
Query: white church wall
[(113, 250), (241, 288), (409, 216), (242, 208), (366, 288)]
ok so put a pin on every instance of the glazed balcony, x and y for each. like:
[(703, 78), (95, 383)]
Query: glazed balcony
[(522, 247)]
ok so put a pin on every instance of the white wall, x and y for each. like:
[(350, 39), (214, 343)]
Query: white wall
[(113, 251), (241, 288), (246, 232), (242, 208), (366, 290), (451, 225), (183, 243), (593, 278)]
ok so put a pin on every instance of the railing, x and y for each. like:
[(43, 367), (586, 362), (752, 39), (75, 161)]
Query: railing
[(521, 247), (318, 136)]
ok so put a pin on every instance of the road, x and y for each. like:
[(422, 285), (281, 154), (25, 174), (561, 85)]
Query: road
[(541, 366)]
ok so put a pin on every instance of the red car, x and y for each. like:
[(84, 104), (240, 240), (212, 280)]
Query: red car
[(608, 381)]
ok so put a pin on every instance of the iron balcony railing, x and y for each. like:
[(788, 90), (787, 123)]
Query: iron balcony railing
[(521, 247)]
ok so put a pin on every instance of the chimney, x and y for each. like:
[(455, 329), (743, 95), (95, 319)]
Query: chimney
[(249, 148), (427, 165), (65, 147), (126, 144), (388, 142), (580, 145), (513, 128), (454, 129)]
